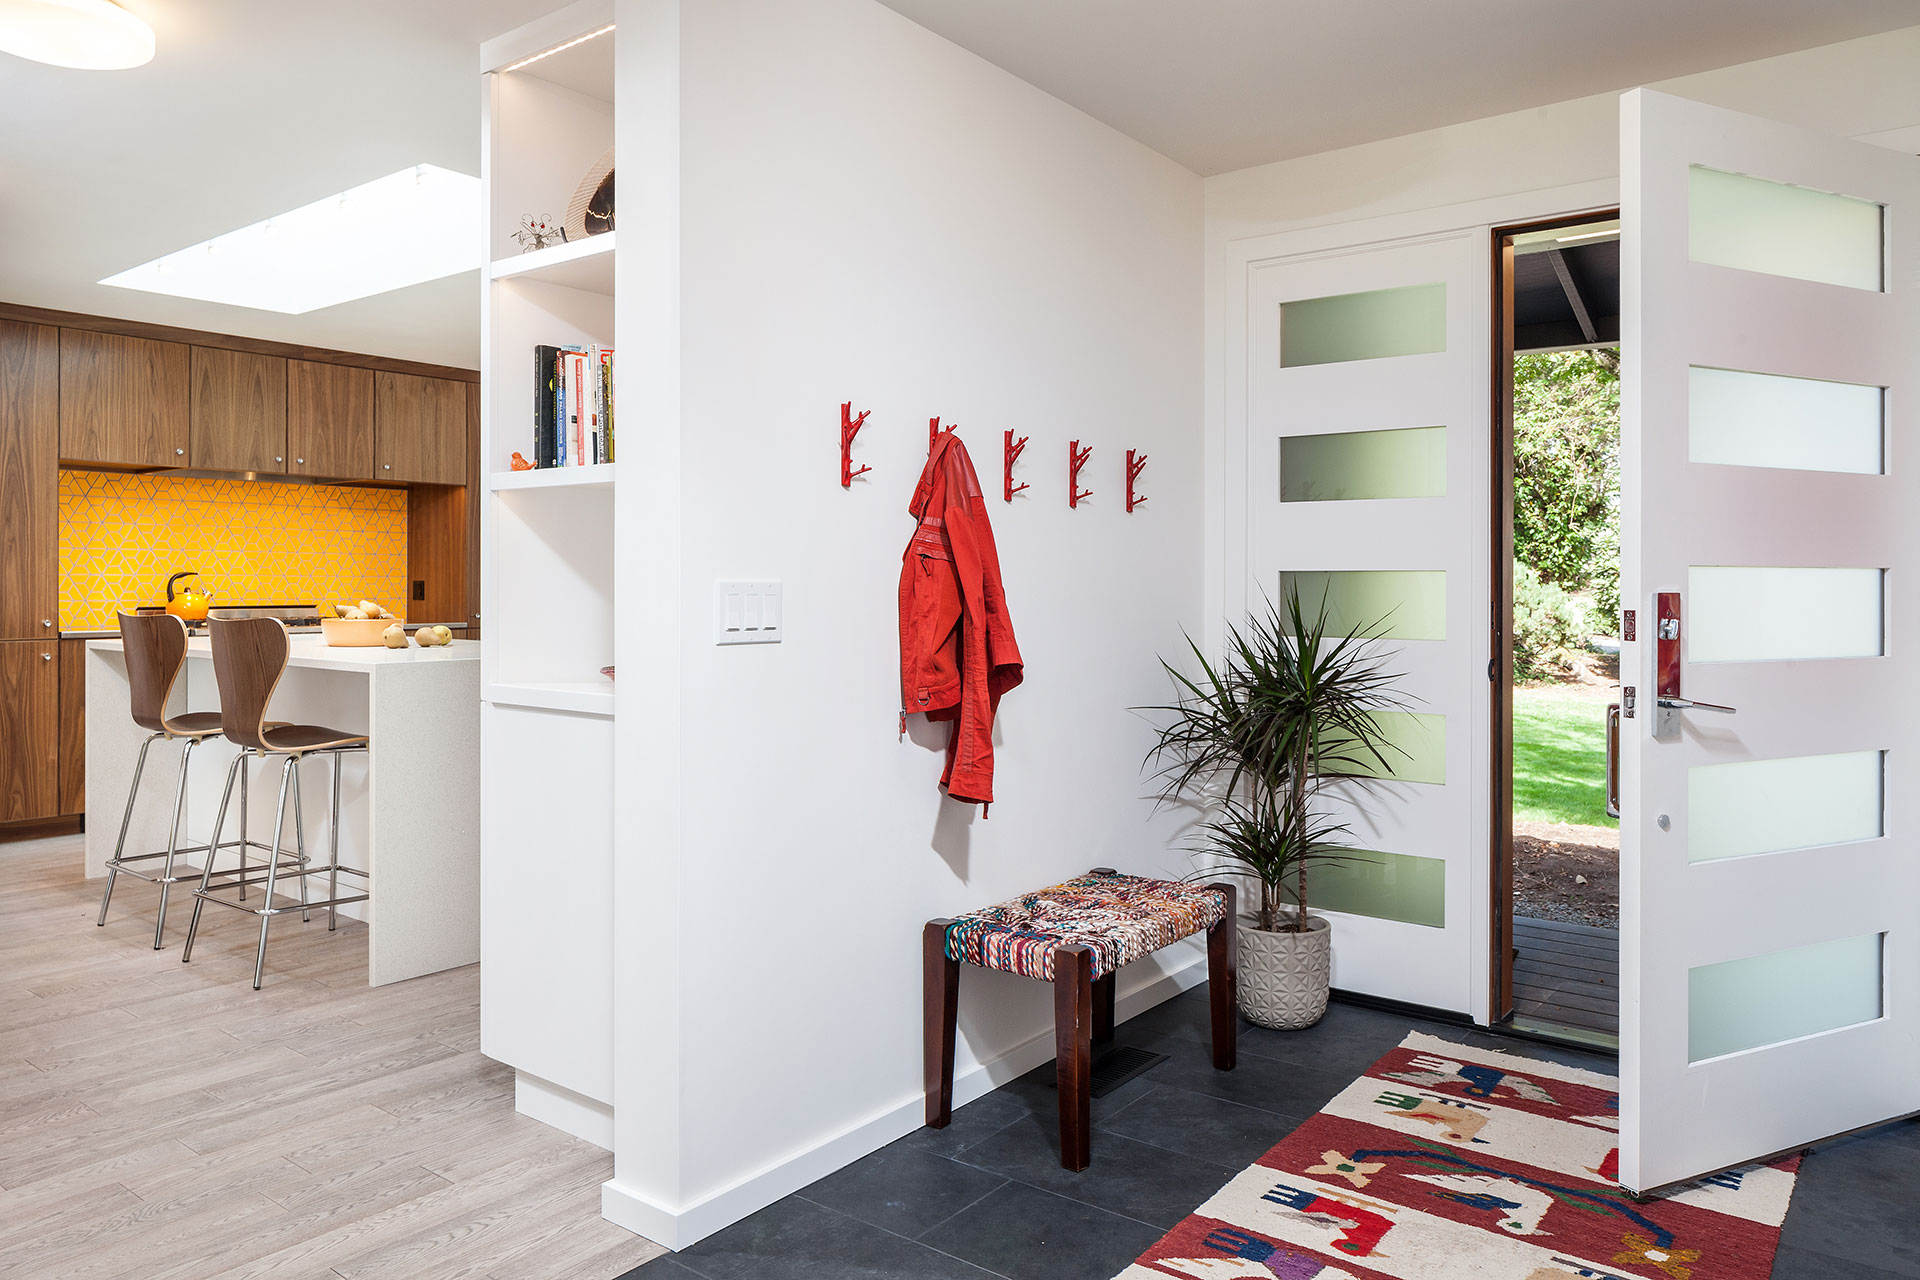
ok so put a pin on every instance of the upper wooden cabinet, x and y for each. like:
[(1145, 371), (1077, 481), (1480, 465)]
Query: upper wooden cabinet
[(238, 411), (29, 730), (329, 420), (122, 400), (29, 480), (419, 429)]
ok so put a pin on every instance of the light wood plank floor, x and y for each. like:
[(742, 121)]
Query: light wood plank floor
[(165, 1121)]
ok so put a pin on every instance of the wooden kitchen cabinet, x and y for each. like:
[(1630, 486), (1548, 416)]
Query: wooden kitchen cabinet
[(29, 480), (329, 420), (419, 429), (29, 730), (237, 411), (73, 726), (123, 400)]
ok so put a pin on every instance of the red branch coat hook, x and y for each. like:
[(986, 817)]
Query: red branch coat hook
[(1076, 459), (849, 428), (933, 432), (1014, 448), (1136, 463)]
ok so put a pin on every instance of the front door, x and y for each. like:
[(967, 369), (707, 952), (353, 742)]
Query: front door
[(1770, 866)]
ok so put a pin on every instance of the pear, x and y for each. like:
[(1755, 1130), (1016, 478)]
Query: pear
[(354, 612), (445, 633), (395, 637)]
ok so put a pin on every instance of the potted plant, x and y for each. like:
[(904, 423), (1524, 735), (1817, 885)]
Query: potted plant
[(1257, 738)]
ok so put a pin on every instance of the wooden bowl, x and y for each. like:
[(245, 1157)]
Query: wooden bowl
[(356, 633)]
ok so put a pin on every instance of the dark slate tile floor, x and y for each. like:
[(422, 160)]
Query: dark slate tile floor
[(987, 1197)]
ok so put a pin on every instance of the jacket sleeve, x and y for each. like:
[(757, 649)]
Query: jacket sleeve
[(970, 761)]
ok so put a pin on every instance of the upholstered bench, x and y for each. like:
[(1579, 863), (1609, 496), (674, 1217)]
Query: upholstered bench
[(1075, 935)]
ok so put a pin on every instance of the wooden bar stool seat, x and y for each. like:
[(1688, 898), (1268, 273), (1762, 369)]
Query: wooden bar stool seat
[(155, 647), (1075, 935), (249, 658)]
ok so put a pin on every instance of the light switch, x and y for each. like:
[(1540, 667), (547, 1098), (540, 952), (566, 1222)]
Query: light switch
[(747, 613)]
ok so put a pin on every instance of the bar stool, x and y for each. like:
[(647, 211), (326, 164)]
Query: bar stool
[(249, 657), (156, 649)]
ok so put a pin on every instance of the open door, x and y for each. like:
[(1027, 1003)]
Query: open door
[(1770, 866)]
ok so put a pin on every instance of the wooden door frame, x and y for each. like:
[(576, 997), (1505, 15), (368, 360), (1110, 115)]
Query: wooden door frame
[(1500, 671)]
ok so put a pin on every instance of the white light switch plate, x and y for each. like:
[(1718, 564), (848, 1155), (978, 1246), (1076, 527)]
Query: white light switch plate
[(747, 613)]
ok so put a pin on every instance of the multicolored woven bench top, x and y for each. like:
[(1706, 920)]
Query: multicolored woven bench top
[(1120, 917)]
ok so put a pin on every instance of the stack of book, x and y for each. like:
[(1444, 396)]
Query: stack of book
[(572, 406)]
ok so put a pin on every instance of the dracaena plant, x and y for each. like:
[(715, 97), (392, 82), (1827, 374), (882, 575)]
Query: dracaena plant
[(1291, 708)]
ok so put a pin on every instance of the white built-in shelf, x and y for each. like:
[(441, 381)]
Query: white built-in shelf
[(578, 264), (554, 477), (593, 698)]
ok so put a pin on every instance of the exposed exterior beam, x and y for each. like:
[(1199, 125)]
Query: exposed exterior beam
[(1572, 290)]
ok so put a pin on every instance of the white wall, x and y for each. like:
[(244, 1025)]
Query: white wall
[(865, 211)]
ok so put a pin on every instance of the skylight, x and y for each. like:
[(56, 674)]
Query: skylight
[(409, 227)]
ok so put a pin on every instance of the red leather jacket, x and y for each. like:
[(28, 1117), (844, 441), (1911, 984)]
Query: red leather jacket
[(957, 652)]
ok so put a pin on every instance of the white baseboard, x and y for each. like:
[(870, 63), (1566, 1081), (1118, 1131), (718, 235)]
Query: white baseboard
[(565, 1110), (633, 1209)]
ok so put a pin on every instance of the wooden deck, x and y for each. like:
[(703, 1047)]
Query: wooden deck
[(1566, 976)]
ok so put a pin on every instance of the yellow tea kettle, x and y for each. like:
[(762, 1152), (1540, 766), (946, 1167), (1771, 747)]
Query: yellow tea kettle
[(191, 603)]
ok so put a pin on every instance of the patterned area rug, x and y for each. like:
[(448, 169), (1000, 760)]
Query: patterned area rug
[(1446, 1162)]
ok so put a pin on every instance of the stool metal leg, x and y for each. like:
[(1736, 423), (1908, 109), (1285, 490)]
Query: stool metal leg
[(246, 832), (126, 821), (273, 869), (206, 873), (300, 844), (173, 843), (333, 850)]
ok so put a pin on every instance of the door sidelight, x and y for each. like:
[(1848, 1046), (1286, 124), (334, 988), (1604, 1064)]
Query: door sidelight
[(1667, 700)]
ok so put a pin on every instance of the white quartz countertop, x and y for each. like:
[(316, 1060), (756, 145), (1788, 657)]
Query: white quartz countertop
[(314, 652)]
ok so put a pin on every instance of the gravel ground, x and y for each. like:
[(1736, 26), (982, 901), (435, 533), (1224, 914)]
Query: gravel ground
[(1566, 873)]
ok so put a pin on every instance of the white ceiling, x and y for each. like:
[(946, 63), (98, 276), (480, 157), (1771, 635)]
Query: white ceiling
[(1225, 84), (249, 108), (253, 107)]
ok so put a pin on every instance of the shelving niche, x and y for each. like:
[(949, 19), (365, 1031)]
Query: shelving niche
[(547, 590)]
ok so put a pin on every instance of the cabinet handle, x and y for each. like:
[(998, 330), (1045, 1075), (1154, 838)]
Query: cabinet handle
[(46, 657), (46, 622), (278, 458), (386, 466), (301, 461), (179, 453)]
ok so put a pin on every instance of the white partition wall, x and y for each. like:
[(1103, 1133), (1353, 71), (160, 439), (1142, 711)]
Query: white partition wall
[(547, 588)]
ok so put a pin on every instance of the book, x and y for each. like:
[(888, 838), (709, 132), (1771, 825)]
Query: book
[(545, 436), (606, 401)]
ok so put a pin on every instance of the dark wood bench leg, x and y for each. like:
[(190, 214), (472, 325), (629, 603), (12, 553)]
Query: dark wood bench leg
[(1222, 953), (1073, 1052), (941, 1013), (1103, 1009)]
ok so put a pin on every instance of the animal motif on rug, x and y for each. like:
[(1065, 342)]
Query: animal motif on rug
[(1456, 1121), (1475, 1080), (1359, 1227), (1248, 1257), (1519, 1207)]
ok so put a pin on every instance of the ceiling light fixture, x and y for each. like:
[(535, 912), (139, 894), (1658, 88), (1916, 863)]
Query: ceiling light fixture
[(407, 228), (548, 53), (92, 35)]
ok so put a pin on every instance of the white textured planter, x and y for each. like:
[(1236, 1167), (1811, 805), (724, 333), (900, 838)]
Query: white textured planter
[(1284, 977)]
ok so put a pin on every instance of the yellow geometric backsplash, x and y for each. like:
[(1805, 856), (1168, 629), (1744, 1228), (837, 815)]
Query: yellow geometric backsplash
[(253, 542)]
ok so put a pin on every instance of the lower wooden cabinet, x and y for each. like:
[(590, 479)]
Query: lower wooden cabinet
[(73, 726), (29, 730)]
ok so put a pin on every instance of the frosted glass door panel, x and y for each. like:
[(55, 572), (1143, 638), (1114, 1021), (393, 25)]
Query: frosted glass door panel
[(1767, 806), (1408, 321), (1782, 230), (1400, 604), (1783, 995), (1752, 614), (1408, 462), (1413, 742), (1386, 886), (1764, 420)]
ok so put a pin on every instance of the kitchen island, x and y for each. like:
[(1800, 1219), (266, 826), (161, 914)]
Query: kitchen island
[(409, 810)]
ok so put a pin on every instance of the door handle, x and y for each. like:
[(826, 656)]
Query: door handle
[(1667, 702), (1613, 760)]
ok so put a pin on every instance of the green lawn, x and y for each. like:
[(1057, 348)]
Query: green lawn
[(1560, 757)]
